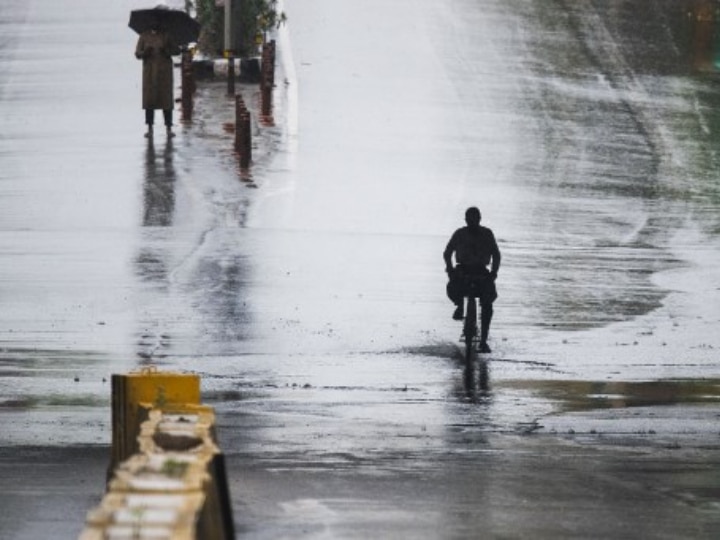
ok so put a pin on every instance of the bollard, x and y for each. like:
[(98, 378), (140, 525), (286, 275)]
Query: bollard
[(271, 54), (240, 109), (188, 85), (266, 102), (267, 81), (231, 75), (243, 134), (246, 151)]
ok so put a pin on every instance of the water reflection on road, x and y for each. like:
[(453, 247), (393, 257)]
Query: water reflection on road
[(159, 186), (583, 130), (310, 297), (618, 157)]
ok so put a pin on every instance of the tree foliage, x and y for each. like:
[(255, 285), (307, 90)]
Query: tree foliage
[(252, 20)]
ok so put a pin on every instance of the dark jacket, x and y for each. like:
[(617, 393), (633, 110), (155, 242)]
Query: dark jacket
[(474, 248)]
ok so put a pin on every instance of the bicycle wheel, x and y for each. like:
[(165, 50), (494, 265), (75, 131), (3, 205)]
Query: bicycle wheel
[(470, 329)]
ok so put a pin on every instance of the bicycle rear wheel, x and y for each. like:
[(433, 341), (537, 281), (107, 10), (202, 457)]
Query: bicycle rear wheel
[(470, 329)]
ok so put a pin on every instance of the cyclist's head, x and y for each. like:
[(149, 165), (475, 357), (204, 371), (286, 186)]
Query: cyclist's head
[(472, 217)]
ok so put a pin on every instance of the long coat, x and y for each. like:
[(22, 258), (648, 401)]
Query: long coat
[(155, 50)]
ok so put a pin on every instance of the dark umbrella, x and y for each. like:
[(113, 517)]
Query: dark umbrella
[(182, 28)]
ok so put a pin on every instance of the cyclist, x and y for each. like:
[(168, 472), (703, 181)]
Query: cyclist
[(475, 249)]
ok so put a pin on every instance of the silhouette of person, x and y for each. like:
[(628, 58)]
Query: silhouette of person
[(155, 49), (475, 249)]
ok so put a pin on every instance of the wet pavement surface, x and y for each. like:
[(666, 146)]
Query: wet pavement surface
[(309, 293)]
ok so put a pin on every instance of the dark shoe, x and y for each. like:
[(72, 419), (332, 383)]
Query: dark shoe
[(484, 348), (458, 314)]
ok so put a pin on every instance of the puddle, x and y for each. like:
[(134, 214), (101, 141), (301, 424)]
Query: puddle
[(577, 396), (37, 402)]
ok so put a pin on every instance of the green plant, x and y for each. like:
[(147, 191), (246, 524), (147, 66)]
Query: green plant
[(211, 19), (252, 19), (268, 16)]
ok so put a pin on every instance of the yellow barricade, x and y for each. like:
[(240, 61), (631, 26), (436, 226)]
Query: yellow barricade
[(167, 475), (147, 386)]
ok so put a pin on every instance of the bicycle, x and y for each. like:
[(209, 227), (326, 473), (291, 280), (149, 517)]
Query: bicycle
[(472, 286)]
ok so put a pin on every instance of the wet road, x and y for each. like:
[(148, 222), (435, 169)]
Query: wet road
[(310, 297)]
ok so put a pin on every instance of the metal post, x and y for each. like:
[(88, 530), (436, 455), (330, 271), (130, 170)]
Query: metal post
[(228, 26)]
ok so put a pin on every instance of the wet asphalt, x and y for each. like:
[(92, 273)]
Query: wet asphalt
[(308, 292)]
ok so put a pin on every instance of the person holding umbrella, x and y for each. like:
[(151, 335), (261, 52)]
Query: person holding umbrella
[(162, 32), (156, 49)]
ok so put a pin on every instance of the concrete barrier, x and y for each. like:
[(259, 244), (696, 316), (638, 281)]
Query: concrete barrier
[(151, 388), (167, 477)]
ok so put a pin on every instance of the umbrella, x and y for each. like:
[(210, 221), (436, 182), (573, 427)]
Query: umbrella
[(182, 28)]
